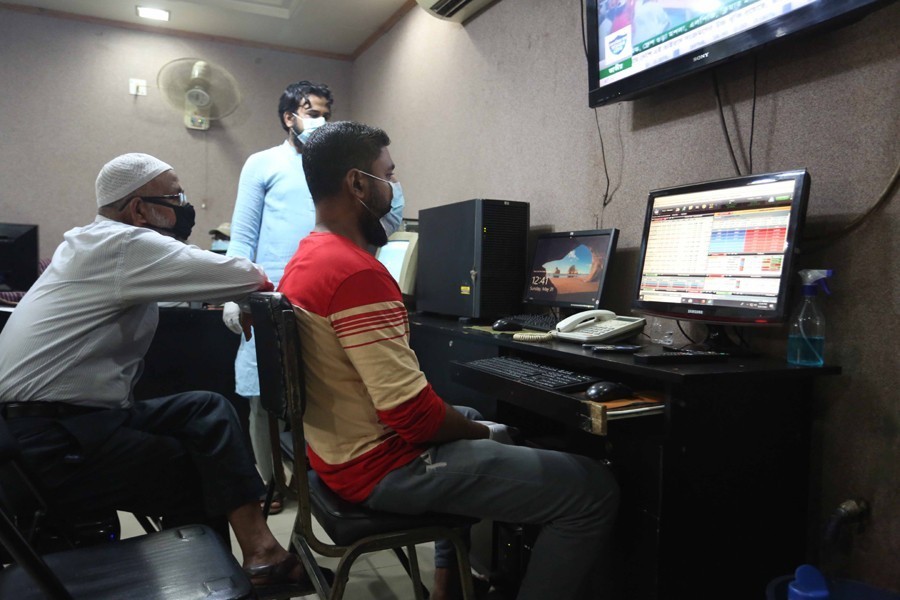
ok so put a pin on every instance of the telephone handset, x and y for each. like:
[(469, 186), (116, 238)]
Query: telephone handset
[(583, 319), (597, 326)]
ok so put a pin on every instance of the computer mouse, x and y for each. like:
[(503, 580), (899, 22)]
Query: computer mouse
[(504, 325), (608, 390)]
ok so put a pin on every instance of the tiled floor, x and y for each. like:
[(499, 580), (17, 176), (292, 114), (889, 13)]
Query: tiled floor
[(374, 576)]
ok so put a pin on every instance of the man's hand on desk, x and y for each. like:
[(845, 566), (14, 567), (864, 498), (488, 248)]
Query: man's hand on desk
[(500, 432), (231, 316)]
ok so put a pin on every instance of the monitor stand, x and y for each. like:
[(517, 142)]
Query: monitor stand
[(718, 340)]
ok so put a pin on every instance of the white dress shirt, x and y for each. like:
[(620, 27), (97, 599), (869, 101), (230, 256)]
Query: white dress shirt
[(80, 334)]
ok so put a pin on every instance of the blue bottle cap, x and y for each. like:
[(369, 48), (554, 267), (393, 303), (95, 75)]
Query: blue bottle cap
[(808, 584)]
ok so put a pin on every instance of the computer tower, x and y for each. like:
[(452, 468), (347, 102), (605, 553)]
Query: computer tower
[(472, 258)]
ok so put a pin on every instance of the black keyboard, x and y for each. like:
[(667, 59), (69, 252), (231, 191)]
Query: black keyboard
[(534, 322), (531, 373)]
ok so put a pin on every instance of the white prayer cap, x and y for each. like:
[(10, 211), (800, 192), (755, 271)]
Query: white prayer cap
[(124, 174)]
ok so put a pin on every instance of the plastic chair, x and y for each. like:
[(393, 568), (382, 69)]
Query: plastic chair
[(353, 529), (189, 563)]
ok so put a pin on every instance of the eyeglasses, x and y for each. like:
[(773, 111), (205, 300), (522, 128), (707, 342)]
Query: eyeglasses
[(180, 196)]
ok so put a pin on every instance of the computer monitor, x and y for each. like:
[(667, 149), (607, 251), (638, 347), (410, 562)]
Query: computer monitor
[(722, 252), (18, 256), (399, 256), (569, 268)]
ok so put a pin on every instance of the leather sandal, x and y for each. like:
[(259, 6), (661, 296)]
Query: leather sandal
[(276, 506), (275, 579)]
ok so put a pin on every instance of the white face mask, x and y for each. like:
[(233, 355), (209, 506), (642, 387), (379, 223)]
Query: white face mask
[(310, 124)]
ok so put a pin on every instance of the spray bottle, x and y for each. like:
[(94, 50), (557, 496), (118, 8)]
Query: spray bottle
[(806, 337)]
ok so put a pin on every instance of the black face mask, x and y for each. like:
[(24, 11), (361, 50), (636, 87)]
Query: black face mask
[(184, 219)]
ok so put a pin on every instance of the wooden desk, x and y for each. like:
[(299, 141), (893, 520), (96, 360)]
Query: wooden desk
[(714, 489)]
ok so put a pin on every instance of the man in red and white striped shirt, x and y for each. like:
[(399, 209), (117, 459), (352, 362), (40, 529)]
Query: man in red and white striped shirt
[(377, 432)]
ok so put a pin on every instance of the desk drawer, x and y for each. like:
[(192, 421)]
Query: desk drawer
[(570, 409)]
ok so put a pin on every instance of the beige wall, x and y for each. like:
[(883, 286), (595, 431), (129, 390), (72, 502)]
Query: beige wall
[(65, 110), (498, 109)]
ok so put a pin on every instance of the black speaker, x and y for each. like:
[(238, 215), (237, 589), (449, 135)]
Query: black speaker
[(472, 258)]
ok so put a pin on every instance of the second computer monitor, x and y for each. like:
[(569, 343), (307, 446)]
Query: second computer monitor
[(570, 267), (399, 256)]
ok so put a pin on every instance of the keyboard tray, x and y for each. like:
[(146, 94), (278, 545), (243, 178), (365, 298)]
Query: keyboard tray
[(532, 373)]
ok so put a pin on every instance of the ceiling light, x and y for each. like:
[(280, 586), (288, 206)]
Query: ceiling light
[(157, 14)]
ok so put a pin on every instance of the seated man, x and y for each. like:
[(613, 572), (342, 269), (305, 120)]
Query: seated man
[(377, 432), (73, 349)]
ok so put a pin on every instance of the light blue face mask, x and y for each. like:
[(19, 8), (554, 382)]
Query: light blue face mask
[(394, 217), (309, 126), (219, 245)]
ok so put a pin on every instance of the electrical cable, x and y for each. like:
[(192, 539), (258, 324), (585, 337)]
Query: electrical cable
[(827, 239), (681, 329), (715, 80), (752, 117), (606, 199), (584, 36)]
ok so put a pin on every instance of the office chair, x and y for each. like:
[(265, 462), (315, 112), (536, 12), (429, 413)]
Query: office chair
[(353, 529), (188, 563)]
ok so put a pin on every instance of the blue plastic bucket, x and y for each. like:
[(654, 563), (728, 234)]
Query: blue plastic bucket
[(841, 589)]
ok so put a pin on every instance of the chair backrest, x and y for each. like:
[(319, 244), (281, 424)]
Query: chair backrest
[(276, 337), (282, 384)]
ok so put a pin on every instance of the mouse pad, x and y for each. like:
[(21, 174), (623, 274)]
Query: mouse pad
[(487, 328), (642, 398)]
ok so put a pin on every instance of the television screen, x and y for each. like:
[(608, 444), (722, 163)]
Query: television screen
[(636, 45), (722, 251), (569, 268)]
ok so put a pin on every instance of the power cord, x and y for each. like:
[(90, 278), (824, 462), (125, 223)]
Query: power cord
[(606, 197), (752, 117), (533, 337), (715, 80), (681, 329), (826, 239)]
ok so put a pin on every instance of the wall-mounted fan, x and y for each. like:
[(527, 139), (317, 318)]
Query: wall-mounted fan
[(201, 90)]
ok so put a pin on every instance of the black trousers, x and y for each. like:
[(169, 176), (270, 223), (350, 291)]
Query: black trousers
[(180, 457)]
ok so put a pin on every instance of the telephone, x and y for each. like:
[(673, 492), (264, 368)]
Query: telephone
[(597, 326)]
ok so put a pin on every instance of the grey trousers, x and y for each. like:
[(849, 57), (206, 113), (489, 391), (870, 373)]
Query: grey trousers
[(574, 498)]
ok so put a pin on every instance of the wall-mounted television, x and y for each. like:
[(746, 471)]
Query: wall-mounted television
[(637, 45)]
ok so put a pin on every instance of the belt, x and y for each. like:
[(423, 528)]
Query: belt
[(47, 410)]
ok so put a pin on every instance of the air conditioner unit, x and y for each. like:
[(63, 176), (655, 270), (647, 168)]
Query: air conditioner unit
[(454, 10)]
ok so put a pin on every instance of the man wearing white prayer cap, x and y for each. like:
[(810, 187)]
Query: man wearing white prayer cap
[(123, 177), (73, 350)]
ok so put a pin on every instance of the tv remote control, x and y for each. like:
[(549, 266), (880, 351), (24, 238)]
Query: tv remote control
[(680, 357)]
